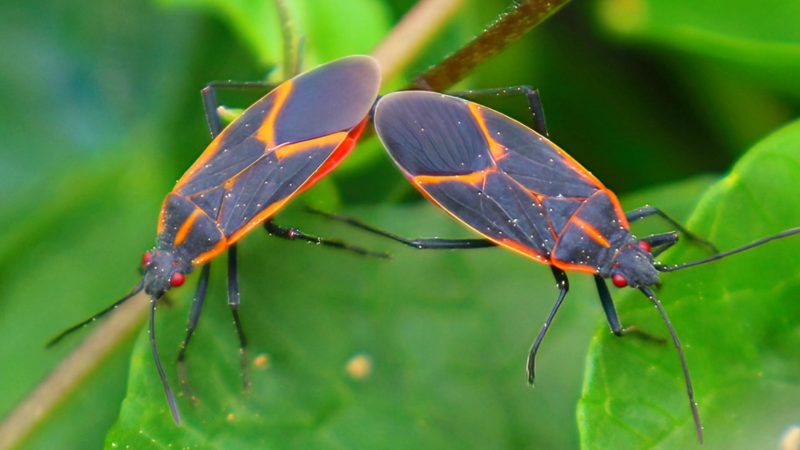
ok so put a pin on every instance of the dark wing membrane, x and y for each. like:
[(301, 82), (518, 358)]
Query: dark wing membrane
[(427, 134), (492, 173), (497, 209), (265, 185), (277, 144), (592, 235)]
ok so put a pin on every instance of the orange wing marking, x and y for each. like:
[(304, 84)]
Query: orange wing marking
[(590, 231), (260, 217), (207, 256), (497, 150), (266, 132), (285, 151), (563, 265), (186, 226), (623, 219), (342, 150), (475, 178), (523, 249)]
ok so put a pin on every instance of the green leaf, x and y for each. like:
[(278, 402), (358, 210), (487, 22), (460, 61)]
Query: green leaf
[(761, 38), (737, 318), (320, 23), (57, 267)]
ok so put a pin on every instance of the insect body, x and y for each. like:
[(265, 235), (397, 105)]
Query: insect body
[(518, 190), (278, 147), (510, 184)]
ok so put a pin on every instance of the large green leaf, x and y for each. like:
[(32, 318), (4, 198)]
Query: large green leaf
[(761, 38), (739, 320), (72, 160), (329, 29)]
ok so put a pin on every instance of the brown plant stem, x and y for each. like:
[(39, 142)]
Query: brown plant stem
[(508, 28)]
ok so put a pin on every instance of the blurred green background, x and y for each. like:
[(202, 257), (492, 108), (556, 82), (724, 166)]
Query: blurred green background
[(657, 97)]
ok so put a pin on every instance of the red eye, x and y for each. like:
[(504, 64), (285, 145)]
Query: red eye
[(177, 279), (146, 258), (619, 280), (644, 245)]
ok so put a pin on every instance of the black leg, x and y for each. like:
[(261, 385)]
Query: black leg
[(675, 341), (563, 284), (173, 405), (194, 316), (432, 244), (233, 303), (647, 211), (211, 104), (138, 288), (534, 102), (661, 242), (293, 234), (613, 319)]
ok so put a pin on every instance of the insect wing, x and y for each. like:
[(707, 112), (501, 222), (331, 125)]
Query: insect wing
[(278, 144), (488, 171)]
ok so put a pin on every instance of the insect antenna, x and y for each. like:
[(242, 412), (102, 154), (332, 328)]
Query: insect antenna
[(689, 390), (136, 289), (672, 268), (173, 405)]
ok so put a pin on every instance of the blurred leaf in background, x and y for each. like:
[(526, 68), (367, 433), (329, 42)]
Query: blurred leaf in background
[(103, 114)]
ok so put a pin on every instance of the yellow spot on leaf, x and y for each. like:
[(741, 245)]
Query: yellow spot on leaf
[(261, 361), (359, 367)]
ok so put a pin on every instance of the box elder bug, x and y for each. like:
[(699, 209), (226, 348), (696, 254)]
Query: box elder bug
[(279, 147), (518, 190)]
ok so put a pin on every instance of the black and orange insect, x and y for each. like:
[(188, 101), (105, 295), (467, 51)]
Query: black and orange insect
[(518, 190), (279, 147)]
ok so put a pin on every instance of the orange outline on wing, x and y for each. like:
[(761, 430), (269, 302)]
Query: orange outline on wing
[(207, 256), (341, 151), (623, 219), (563, 265)]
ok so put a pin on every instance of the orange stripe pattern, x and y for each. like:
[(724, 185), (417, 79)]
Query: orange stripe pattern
[(474, 178), (590, 231), (497, 150), (266, 132), (285, 151), (186, 227)]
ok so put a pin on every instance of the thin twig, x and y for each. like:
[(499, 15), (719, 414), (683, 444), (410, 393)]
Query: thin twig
[(71, 370), (507, 29)]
